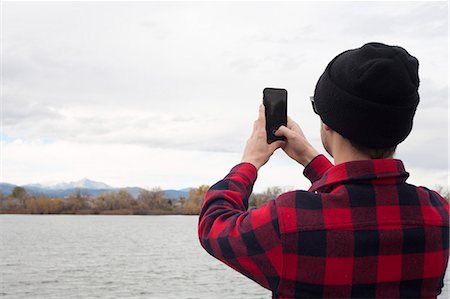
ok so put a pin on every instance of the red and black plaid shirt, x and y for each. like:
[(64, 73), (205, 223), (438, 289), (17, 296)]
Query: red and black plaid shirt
[(360, 232)]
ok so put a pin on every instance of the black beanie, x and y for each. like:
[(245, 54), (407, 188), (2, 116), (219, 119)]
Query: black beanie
[(369, 95)]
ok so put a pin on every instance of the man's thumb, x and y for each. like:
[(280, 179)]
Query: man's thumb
[(277, 144), (283, 131)]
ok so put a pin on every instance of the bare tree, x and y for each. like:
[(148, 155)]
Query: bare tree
[(193, 203), (154, 199), (443, 191), (21, 194)]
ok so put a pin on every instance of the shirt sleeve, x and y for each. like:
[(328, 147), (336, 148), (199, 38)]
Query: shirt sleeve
[(316, 168), (248, 241)]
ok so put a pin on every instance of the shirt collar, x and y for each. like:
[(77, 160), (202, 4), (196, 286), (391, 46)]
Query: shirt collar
[(375, 172)]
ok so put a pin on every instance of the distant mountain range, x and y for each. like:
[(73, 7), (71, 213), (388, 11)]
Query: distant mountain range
[(86, 187), (84, 183)]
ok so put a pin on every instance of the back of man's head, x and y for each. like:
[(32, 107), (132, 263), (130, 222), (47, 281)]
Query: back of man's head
[(369, 95)]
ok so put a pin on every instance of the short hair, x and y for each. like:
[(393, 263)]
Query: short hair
[(375, 153)]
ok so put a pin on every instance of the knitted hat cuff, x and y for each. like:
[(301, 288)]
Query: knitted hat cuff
[(367, 123)]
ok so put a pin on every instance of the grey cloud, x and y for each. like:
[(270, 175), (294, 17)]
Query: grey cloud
[(424, 155), (39, 75), (183, 63), (298, 36), (244, 63), (156, 30), (16, 112), (182, 118), (427, 145), (183, 132), (432, 95), (291, 62), (412, 20), (278, 61)]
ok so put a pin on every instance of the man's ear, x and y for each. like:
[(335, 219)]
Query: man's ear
[(326, 127)]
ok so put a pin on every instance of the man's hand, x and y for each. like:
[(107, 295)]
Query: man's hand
[(297, 146), (258, 151)]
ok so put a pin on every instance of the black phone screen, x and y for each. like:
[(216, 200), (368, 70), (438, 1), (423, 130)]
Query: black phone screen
[(275, 102)]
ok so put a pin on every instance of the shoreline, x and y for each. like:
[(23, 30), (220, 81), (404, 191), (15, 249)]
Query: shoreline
[(103, 213)]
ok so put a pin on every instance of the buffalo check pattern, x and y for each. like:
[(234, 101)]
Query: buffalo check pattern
[(360, 231)]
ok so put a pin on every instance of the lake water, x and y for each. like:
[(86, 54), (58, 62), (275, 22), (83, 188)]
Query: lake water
[(64, 256)]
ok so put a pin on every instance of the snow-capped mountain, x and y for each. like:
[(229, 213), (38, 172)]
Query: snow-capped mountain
[(84, 183), (86, 187)]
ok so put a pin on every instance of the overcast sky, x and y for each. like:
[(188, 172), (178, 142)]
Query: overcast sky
[(165, 93)]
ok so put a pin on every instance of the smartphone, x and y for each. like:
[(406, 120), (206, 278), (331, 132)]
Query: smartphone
[(275, 102)]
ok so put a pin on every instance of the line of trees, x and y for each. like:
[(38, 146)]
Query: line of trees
[(149, 202)]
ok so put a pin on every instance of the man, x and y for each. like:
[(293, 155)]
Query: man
[(360, 231)]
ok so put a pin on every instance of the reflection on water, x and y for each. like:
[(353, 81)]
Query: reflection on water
[(113, 256)]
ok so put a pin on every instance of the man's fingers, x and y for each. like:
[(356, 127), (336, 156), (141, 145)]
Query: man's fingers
[(255, 125), (260, 124), (291, 124), (262, 116), (284, 131), (276, 144)]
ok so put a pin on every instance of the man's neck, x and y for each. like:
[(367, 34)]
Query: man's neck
[(348, 157), (345, 152), (341, 148)]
